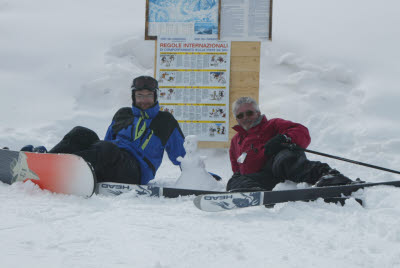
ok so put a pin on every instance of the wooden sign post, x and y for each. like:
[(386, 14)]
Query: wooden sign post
[(244, 81)]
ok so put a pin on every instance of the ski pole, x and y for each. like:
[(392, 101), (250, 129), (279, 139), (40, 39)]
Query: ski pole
[(295, 147)]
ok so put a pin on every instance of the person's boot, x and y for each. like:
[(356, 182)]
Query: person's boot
[(27, 148), (333, 178)]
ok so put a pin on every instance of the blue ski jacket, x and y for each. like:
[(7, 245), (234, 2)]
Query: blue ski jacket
[(146, 134)]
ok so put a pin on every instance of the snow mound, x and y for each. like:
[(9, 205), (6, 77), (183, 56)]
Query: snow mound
[(194, 174)]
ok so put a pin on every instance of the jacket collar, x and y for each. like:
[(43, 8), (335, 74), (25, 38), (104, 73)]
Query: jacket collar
[(263, 119), (148, 113)]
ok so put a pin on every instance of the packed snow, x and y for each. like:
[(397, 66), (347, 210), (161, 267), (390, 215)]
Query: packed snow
[(332, 66), (193, 169)]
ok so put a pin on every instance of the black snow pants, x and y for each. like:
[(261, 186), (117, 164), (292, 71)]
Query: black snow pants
[(285, 165), (110, 163)]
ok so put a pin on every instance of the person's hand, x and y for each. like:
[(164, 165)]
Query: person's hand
[(275, 144), (121, 124)]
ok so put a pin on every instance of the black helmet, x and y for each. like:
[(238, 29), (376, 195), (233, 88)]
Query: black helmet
[(144, 82)]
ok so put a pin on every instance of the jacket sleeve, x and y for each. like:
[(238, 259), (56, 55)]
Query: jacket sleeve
[(233, 156), (109, 133), (297, 132), (174, 146)]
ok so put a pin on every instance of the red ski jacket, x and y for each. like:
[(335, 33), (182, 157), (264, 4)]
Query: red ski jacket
[(252, 141)]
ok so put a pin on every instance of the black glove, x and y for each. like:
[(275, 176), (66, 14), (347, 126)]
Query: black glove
[(122, 119), (275, 144)]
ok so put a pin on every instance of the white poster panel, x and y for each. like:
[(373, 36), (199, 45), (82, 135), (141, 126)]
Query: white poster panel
[(246, 20), (193, 79)]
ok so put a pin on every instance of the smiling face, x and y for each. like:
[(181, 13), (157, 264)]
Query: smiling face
[(246, 115), (144, 99)]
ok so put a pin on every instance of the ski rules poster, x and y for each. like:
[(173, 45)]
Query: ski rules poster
[(193, 79)]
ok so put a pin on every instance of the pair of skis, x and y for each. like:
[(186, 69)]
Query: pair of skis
[(70, 174), (221, 201)]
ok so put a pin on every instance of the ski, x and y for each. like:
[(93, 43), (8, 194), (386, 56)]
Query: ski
[(114, 189), (228, 201)]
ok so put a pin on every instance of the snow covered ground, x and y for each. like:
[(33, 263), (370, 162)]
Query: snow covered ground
[(332, 65)]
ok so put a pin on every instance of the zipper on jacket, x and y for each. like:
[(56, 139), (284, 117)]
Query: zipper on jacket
[(147, 140)]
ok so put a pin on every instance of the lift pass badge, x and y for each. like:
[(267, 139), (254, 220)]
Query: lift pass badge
[(241, 158)]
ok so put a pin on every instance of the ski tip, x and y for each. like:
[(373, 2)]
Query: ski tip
[(197, 201), (203, 203)]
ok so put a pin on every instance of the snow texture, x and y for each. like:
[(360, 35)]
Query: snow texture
[(332, 66)]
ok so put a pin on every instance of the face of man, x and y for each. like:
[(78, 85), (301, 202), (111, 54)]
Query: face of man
[(144, 98), (246, 115)]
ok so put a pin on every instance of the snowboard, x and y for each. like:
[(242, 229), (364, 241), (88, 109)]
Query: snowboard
[(228, 201), (58, 173)]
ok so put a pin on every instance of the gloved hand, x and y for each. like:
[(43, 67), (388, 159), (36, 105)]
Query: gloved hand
[(274, 145), (122, 119)]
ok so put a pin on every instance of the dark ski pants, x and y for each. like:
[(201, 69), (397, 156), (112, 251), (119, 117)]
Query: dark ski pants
[(110, 163), (285, 165)]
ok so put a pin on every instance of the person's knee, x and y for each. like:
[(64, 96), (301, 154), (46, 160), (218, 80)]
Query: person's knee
[(82, 135), (78, 139), (285, 161), (284, 157)]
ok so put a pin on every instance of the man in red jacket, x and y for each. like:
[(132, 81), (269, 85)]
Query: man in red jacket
[(259, 158)]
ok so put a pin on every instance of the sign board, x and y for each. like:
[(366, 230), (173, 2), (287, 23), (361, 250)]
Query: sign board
[(183, 88), (243, 20), (194, 80)]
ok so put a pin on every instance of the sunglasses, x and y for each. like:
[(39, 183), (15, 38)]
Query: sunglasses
[(145, 82), (248, 113)]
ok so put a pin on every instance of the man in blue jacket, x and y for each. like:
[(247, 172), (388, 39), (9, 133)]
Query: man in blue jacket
[(135, 142)]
